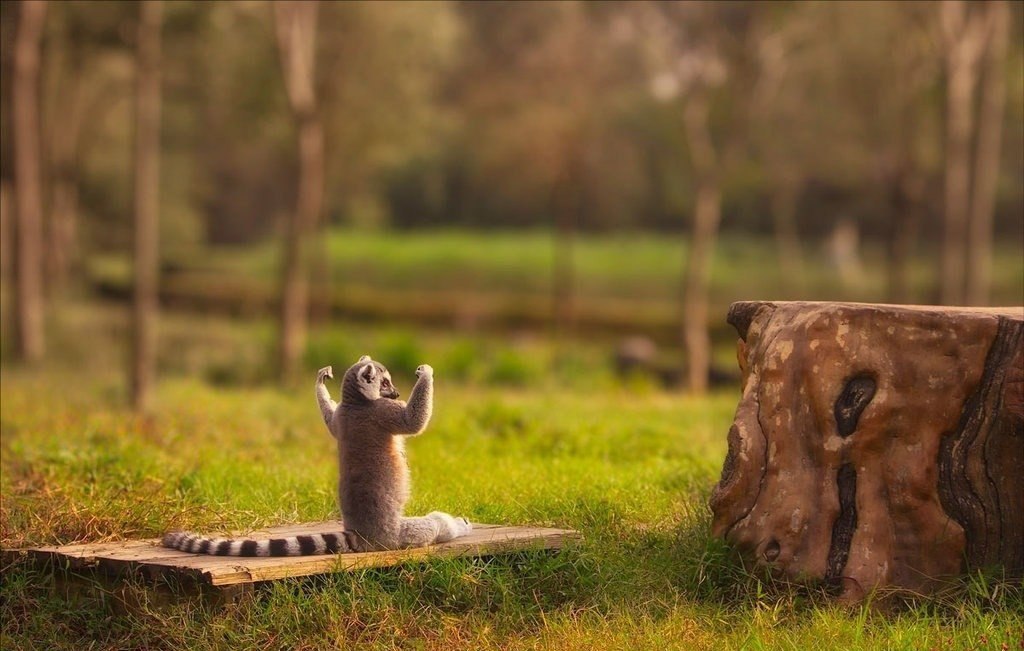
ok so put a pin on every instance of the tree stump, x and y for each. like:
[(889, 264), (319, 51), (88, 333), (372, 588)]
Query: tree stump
[(875, 445)]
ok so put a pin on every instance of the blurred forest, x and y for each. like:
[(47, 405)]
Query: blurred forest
[(802, 126)]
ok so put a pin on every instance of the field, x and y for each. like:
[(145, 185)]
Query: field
[(515, 439), (525, 431), (622, 284)]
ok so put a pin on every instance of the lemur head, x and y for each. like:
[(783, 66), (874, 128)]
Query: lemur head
[(367, 380)]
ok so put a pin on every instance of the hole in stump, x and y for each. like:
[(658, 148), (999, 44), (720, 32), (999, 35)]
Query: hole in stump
[(856, 395), (845, 524)]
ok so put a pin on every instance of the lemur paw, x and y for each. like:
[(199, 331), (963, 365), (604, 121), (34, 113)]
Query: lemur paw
[(424, 369), (325, 372)]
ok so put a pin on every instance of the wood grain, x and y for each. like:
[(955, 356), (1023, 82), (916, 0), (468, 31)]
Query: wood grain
[(876, 446), (148, 558)]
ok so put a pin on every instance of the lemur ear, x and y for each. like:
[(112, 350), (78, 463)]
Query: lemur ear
[(368, 372), (364, 358)]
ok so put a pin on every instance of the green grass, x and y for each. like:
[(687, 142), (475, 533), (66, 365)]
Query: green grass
[(635, 274), (622, 265), (629, 467)]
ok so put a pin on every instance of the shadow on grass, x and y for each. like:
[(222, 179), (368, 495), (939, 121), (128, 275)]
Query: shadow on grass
[(618, 567), (512, 591), (705, 570)]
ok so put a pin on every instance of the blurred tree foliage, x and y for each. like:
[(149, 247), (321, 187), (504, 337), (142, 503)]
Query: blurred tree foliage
[(484, 114)]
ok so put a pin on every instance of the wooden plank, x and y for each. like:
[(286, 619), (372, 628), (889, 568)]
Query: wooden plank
[(76, 556), (484, 543), (149, 558)]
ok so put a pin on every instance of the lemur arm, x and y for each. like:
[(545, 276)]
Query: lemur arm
[(323, 396), (412, 417)]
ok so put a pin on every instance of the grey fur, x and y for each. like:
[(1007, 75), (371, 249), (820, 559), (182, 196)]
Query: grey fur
[(370, 426)]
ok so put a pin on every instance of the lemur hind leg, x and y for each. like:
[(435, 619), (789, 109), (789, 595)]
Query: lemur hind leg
[(435, 527)]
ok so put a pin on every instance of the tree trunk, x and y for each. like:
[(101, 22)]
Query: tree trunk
[(6, 233), (706, 215), (566, 206), (846, 467), (6, 254), (562, 284), (65, 127), (295, 24), (28, 295), (63, 227), (321, 282), (964, 41), (787, 237), (905, 199), (147, 202), (986, 163)]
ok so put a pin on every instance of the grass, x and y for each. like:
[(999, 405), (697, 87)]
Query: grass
[(631, 265), (630, 467), (621, 283)]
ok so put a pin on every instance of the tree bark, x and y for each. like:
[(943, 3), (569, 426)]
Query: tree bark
[(6, 233), (65, 128), (63, 227), (6, 254), (986, 163), (146, 202), (706, 215), (905, 198), (566, 204), (965, 38), (29, 317), (295, 25), (876, 446), (787, 236)]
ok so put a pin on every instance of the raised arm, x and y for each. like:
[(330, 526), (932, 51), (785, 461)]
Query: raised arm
[(412, 417), (323, 396)]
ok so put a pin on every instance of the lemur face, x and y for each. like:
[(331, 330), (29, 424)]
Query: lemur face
[(374, 381)]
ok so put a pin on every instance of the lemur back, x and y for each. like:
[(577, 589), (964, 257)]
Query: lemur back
[(373, 484)]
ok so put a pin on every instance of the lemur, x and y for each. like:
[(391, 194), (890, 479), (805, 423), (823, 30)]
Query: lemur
[(369, 425)]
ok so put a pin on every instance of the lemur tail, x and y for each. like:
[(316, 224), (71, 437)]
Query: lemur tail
[(306, 545)]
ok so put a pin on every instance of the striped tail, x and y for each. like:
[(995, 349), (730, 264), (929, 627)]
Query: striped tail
[(306, 545)]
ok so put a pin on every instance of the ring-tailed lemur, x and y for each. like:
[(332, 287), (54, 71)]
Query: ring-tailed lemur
[(370, 425)]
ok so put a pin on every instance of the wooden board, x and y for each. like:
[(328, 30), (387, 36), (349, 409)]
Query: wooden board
[(148, 558)]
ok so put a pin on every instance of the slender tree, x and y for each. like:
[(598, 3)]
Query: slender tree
[(692, 67), (555, 67), (965, 33), (7, 247), (986, 162), (63, 128), (295, 26), (906, 199), (29, 317), (566, 204), (707, 213), (146, 202), (782, 165), (6, 230)]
